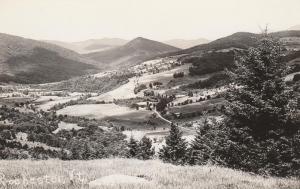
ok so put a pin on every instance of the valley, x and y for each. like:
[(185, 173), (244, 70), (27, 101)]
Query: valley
[(135, 95), (145, 96), (132, 105)]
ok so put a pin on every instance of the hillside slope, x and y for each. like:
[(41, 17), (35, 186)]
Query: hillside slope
[(184, 44), (296, 27), (242, 40), (30, 61), (132, 53), (78, 174), (91, 45), (219, 54)]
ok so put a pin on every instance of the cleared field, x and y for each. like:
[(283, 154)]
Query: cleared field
[(126, 91), (198, 106), (56, 174), (66, 126), (102, 111), (13, 100), (290, 77), (47, 102)]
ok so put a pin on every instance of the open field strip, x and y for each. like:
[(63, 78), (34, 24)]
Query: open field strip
[(56, 174), (101, 111)]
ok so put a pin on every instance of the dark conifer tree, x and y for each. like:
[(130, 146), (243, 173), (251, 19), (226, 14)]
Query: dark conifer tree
[(200, 151), (259, 99), (175, 149), (145, 149), (132, 148)]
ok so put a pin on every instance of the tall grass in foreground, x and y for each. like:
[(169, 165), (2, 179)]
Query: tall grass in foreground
[(57, 174)]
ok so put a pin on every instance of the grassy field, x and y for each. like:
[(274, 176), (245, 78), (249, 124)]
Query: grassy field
[(58, 174), (198, 106), (101, 111)]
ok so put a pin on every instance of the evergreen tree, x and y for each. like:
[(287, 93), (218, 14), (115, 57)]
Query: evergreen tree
[(262, 130), (145, 150), (132, 148), (260, 100), (200, 151), (176, 147)]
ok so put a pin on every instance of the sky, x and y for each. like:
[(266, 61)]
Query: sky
[(77, 20)]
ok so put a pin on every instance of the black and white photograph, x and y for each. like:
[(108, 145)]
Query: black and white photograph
[(149, 94)]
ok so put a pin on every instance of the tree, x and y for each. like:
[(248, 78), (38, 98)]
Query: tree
[(150, 85), (132, 148), (260, 99), (200, 151), (162, 104), (175, 149), (145, 149), (261, 132)]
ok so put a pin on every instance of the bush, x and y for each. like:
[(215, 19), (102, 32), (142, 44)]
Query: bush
[(139, 88), (141, 150), (157, 83), (296, 77), (178, 74)]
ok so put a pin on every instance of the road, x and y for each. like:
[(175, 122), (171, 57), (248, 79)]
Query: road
[(183, 129)]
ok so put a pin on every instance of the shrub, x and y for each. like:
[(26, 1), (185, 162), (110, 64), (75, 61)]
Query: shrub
[(296, 77), (145, 149), (178, 74), (139, 88)]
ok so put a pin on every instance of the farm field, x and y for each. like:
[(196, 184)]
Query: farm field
[(56, 174), (198, 106), (104, 111), (47, 102), (126, 91)]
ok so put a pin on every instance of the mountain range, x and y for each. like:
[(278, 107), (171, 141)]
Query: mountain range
[(296, 27), (30, 61), (132, 53), (184, 44), (242, 40), (96, 45), (219, 54), (91, 45)]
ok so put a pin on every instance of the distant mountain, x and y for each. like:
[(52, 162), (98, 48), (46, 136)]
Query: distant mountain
[(219, 54), (132, 53), (91, 45), (296, 27), (29, 61), (184, 44), (242, 40)]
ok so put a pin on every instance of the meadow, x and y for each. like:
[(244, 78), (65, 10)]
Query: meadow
[(57, 174)]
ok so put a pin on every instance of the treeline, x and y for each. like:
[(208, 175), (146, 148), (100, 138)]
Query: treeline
[(216, 80), (91, 83), (210, 62)]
